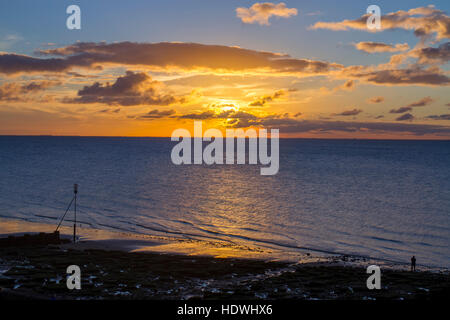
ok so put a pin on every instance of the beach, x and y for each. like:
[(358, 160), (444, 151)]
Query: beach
[(121, 269)]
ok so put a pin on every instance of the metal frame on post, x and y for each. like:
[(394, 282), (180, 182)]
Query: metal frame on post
[(75, 191), (74, 200)]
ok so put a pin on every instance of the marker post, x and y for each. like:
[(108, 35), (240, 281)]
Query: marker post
[(75, 191)]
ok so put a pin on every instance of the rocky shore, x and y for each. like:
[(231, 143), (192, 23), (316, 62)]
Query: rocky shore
[(39, 272)]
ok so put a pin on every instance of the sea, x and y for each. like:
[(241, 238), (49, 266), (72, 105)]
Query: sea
[(384, 199)]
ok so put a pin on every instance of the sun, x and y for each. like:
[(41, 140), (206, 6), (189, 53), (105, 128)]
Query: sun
[(226, 105), (228, 108)]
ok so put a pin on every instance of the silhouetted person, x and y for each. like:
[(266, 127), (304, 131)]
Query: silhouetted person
[(413, 263)]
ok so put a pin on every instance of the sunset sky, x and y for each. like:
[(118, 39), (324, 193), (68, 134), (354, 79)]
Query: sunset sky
[(146, 68)]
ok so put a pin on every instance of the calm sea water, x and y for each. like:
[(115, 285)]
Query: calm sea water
[(384, 199)]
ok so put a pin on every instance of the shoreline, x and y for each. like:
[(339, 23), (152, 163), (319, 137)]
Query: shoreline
[(136, 268), (101, 239), (92, 238)]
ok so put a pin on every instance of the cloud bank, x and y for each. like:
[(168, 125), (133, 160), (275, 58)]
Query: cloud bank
[(424, 21), (164, 55)]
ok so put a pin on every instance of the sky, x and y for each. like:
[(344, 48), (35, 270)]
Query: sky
[(311, 69)]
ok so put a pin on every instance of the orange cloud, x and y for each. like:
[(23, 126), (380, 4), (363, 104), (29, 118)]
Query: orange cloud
[(190, 57), (424, 21), (376, 100), (261, 12), (165, 55), (15, 92), (371, 47)]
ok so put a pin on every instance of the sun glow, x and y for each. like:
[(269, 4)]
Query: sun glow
[(226, 105)]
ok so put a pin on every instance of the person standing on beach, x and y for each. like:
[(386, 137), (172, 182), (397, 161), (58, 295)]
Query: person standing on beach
[(413, 263)]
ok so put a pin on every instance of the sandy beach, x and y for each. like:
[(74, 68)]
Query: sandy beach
[(128, 268)]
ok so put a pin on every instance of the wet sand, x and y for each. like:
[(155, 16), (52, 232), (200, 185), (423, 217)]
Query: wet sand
[(110, 271), (40, 273)]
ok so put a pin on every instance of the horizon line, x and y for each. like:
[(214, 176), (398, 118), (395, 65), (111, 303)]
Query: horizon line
[(167, 137)]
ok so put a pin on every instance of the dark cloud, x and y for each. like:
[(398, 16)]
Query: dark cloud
[(11, 63), (422, 102), (350, 84), (415, 75), (38, 86), (110, 111), (353, 112), (227, 114), (128, 90), (439, 117), (405, 117), (430, 55), (232, 114), (267, 98), (199, 116), (156, 114), (16, 92), (288, 125), (401, 110)]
